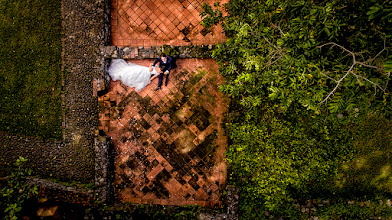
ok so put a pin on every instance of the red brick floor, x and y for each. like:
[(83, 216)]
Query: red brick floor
[(156, 23), (169, 143)]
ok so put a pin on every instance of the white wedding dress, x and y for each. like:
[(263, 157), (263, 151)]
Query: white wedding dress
[(130, 74)]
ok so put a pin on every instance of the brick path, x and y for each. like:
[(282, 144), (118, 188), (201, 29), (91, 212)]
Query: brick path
[(169, 143), (156, 23)]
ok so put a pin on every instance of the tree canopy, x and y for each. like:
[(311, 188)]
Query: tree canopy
[(333, 53), (301, 74)]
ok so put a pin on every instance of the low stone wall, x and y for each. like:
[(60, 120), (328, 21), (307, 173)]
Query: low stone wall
[(231, 200), (45, 156), (86, 27), (182, 52), (59, 192), (104, 170)]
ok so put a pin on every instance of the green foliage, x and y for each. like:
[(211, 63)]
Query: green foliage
[(369, 173), (367, 210), (30, 62), (16, 191), (170, 50), (211, 16), (302, 76), (308, 53), (157, 212), (162, 212), (274, 159), (148, 211)]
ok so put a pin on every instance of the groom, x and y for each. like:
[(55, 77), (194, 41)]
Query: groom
[(165, 63)]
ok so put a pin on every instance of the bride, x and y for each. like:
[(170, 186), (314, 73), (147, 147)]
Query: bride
[(131, 74)]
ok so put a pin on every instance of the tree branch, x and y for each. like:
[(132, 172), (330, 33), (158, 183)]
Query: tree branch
[(272, 44), (386, 84), (350, 70), (277, 26), (278, 50), (338, 83), (325, 74), (335, 44), (379, 53), (375, 84), (366, 65)]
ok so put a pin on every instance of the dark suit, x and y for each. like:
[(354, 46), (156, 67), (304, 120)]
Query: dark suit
[(165, 66)]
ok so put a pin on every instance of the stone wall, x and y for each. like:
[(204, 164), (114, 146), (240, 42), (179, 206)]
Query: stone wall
[(231, 213), (181, 52), (84, 154), (59, 192), (86, 27)]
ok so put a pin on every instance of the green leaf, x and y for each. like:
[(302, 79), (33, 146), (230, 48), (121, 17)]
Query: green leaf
[(279, 42), (372, 11), (388, 64)]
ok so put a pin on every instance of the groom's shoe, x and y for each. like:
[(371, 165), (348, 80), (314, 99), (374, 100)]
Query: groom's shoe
[(166, 82), (157, 88)]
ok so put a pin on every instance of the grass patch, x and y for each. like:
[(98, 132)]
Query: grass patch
[(369, 174), (371, 168), (367, 210), (30, 67)]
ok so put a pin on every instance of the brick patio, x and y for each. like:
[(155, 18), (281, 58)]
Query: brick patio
[(157, 23), (169, 143)]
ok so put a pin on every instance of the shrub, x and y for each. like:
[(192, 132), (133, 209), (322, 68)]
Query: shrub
[(17, 191)]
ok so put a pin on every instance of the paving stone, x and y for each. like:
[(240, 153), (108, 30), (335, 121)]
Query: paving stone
[(157, 23), (158, 170)]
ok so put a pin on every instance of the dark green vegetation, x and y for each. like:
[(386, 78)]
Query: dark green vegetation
[(311, 103), (145, 212), (343, 210), (19, 200), (30, 67), (15, 192), (160, 212)]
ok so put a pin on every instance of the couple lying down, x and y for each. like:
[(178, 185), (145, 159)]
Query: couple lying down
[(134, 75)]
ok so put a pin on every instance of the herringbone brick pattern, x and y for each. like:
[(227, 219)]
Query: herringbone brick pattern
[(169, 143), (157, 23)]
